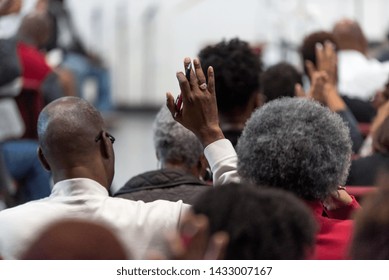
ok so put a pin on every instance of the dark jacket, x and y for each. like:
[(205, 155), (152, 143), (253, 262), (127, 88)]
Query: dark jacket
[(364, 171), (166, 184)]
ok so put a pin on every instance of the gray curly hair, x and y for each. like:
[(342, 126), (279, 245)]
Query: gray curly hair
[(297, 145), (173, 142)]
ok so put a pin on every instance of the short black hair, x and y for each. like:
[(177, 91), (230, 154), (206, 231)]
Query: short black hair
[(262, 223), (237, 71), (279, 80)]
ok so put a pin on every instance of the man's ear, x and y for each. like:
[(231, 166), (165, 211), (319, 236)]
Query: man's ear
[(106, 147), (202, 166), (43, 159)]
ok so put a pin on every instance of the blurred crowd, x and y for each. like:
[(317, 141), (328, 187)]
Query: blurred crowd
[(254, 163)]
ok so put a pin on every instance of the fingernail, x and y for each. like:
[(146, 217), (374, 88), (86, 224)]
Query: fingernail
[(187, 60), (319, 45)]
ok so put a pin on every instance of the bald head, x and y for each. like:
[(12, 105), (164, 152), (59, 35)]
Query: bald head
[(349, 36), (69, 126), (76, 240), (70, 132)]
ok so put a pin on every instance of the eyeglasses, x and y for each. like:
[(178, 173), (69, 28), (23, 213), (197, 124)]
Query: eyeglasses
[(100, 136)]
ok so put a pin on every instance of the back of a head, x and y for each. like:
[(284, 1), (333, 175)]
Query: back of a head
[(174, 143), (67, 129), (349, 35), (381, 138), (371, 230), (237, 71), (76, 240), (308, 47), (279, 81), (297, 145), (35, 27), (261, 223)]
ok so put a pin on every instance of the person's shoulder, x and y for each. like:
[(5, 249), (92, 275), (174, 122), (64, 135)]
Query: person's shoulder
[(26, 207), (146, 206)]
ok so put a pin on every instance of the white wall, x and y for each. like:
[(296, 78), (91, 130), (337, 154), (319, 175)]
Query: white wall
[(144, 41)]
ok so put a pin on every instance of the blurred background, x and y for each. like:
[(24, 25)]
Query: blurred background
[(142, 45), (144, 42)]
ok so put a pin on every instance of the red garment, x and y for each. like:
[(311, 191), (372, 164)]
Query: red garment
[(335, 231), (34, 66), (34, 72)]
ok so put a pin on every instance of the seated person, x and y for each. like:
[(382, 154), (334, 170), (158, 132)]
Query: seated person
[(359, 75), (280, 80), (371, 231), (320, 65), (76, 239), (362, 110), (182, 165), (291, 143), (77, 60), (364, 170), (237, 71), (41, 84), (75, 147), (262, 224)]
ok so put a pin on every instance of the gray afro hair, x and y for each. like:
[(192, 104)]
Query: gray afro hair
[(297, 145), (173, 142)]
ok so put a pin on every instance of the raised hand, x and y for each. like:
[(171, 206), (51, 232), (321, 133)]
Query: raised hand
[(199, 111)]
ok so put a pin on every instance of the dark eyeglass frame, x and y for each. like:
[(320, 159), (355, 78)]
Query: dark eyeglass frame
[(100, 136)]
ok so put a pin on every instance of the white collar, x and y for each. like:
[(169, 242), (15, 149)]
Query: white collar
[(78, 186)]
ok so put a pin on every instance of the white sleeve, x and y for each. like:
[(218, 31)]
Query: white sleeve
[(223, 161)]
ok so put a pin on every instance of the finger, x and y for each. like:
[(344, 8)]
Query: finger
[(299, 91), (319, 55), (185, 87), (199, 72), (329, 49), (193, 79), (310, 68), (170, 104), (211, 81)]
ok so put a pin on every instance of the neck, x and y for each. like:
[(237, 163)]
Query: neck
[(173, 165), (81, 172), (235, 120), (27, 39)]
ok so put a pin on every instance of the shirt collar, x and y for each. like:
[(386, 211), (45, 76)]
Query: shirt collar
[(78, 186)]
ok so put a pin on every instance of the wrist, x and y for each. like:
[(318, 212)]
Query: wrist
[(333, 101), (210, 135)]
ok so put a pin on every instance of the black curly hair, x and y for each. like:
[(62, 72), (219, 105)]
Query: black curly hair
[(279, 80), (237, 71), (262, 223)]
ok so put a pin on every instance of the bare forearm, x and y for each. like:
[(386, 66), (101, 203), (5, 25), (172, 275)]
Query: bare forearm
[(333, 100)]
